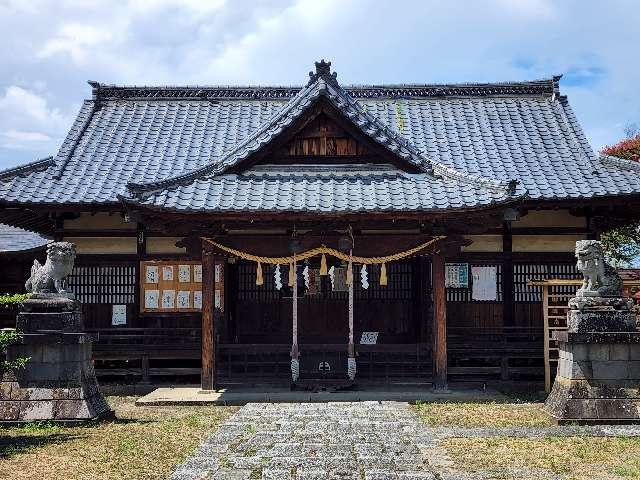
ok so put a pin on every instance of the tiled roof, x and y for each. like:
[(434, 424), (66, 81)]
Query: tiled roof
[(341, 189), (458, 133), (15, 239)]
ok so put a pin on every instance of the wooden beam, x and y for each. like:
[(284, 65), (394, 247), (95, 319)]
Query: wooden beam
[(507, 276), (207, 378), (439, 334)]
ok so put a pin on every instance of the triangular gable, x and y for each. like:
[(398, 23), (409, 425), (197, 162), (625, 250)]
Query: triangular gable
[(322, 138), (322, 96)]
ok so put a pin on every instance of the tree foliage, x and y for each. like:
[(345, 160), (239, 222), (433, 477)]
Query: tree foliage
[(628, 149), (623, 243)]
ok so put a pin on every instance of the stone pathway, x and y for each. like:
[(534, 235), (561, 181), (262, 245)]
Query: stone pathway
[(315, 441), (357, 440)]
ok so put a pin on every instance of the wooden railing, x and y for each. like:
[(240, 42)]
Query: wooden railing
[(504, 354), (375, 362), (474, 354), (142, 353)]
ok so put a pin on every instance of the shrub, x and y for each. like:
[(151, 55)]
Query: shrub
[(9, 336), (13, 298)]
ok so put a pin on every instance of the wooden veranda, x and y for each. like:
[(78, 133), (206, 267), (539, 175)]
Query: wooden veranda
[(422, 360)]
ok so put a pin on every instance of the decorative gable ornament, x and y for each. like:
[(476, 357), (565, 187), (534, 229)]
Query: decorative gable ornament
[(323, 69)]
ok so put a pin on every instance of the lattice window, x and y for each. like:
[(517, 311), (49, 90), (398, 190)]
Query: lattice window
[(247, 288), (399, 286), (104, 284), (523, 272)]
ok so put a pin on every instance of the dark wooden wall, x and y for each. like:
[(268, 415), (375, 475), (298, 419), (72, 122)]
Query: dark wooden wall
[(262, 314), (15, 269)]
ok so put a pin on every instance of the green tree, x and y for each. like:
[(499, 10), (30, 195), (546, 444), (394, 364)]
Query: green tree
[(623, 243)]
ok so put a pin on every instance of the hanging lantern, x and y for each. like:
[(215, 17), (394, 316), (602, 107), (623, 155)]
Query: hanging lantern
[(383, 274), (259, 279), (294, 245), (323, 265), (345, 244)]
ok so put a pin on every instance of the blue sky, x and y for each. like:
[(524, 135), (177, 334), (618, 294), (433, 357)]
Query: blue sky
[(50, 49)]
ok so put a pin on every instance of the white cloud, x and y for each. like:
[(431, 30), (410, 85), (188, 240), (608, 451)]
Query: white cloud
[(50, 49), (26, 136), (19, 102), (27, 122), (76, 40)]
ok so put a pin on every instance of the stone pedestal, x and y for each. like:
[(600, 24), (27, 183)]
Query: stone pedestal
[(58, 382), (598, 379)]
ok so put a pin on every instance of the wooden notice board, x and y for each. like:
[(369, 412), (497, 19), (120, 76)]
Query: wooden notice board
[(556, 294), (170, 286)]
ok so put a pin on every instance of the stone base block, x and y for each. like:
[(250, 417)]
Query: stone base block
[(601, 321), (58, 382), (598, 379)]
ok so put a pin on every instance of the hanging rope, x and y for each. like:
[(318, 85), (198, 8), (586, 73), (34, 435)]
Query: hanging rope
[(324, 250)]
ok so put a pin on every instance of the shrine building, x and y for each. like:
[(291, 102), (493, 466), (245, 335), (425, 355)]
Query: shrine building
[(325, 233)]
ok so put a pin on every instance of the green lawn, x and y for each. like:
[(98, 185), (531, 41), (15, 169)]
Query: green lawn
[(143, 443)]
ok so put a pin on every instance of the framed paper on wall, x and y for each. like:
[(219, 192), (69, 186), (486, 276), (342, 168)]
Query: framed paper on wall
[(170, 286)]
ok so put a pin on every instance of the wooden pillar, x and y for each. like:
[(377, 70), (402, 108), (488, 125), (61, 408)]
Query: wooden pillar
[(508, 315), (439, 333), (207, 378)]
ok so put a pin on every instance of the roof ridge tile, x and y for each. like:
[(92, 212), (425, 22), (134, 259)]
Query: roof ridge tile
[(40, 164)]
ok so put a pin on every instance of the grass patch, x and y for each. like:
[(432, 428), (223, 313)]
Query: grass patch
[(143, 443), (482, 414), (569, 457), (573, 458)]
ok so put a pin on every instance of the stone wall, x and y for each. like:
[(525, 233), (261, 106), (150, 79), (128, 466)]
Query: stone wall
[(598, 377)]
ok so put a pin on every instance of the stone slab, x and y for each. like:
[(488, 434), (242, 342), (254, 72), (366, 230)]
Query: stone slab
[(167, 396)]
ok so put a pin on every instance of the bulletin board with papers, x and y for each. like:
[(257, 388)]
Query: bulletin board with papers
[(170, 286)]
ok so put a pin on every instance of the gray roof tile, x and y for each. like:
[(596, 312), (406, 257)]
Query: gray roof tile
[(143, 135), (15, 239)]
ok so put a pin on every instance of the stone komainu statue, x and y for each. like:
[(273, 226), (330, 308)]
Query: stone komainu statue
[(52, 276), (600, 278)]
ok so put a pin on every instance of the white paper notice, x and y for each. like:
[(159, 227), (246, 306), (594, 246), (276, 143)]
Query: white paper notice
[(369, 338), (184, 273), (151, 274), (167, 273), (216, 299), (168, 299), (119, 315), (197, 299), (218, 271), (197, 273), (151, 298), (485, 284), (184, 299)]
